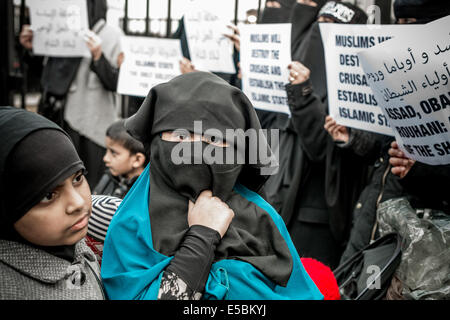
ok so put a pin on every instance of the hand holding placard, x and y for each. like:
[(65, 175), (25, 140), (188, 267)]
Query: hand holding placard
[(414, 91)]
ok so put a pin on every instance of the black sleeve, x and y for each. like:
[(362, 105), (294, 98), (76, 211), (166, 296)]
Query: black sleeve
[(363, 143), (308, 119), (107, 74), (191, 264), (430, 185)]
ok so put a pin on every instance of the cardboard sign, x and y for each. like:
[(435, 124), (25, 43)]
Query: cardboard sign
[(148, 62), (350, 99), (410, 77), (209, 49), (59, 27), (265, 55)]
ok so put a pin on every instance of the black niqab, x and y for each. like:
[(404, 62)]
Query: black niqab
[(277, 15), (198, 96)]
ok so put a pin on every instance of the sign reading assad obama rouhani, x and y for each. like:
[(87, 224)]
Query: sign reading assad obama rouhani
[(410, 77), (350, 99)]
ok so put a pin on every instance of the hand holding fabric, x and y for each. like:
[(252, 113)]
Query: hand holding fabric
[(210, 212), (400, 163)]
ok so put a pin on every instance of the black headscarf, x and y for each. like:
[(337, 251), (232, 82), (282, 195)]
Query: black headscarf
[(311, 51), (59, 73), (422, 10), (35, 156), (277, 15), (269, 119), (343, 12), (199, 96)]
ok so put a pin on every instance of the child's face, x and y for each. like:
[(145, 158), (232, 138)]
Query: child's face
[(118, 159), (61, 218)]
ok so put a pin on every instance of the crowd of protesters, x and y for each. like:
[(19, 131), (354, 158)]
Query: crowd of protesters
[(168, 231)]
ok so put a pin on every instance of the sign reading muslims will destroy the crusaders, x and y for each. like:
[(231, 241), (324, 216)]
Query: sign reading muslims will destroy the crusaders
[(410, 77), (59, 27), (350, 99), (147, 62), (265, 55)]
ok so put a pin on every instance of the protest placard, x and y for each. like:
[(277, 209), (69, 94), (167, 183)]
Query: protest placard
[(350, 99), (59, 27), (148, 62), (410, 77), (265, 55), (209, 49)]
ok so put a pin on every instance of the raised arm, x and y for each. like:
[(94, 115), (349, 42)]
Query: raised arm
[(186, 275), (307, 112)]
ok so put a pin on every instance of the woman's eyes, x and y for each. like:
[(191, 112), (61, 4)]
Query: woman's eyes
[(189, 137), (216, 141), (183, 137)]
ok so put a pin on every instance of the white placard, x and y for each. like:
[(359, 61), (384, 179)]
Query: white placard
[(350, 99), (410, 77), (265, 55), (58, 27), (147, 62), (209, 49)]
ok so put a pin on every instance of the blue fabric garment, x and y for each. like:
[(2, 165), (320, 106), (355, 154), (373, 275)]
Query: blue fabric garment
[(132, 269)]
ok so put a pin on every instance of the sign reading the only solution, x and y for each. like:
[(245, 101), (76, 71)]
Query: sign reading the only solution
[(148, 62)]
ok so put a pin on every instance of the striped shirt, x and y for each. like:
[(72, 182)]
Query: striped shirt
[(103, 209)]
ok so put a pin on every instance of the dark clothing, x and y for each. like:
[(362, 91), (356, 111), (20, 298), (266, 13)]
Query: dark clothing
[(429, 186), (110, 185), (302, 18), (194, 258), (327, 183), (383, 186), (108, 75), (251, 236)]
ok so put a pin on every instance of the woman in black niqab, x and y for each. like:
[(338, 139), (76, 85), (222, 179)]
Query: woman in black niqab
[(160, 199), (175, 105)]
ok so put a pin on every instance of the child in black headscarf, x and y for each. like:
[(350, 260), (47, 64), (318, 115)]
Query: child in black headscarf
[(45, 207)]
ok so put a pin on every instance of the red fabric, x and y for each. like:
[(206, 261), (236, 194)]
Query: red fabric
[(323, 277), (96, 247)]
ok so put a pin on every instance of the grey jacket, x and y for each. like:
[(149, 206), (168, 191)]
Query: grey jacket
[(90, 108), (28, 273)]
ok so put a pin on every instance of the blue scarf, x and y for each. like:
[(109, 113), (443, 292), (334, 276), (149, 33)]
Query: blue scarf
[(132, 269)]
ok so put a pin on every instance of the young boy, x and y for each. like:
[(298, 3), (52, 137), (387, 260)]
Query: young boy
[(125, 159)]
